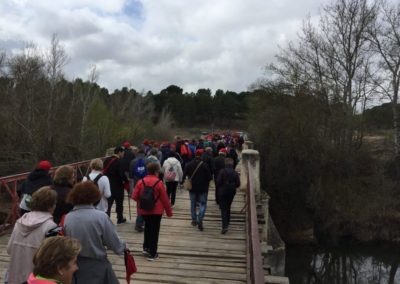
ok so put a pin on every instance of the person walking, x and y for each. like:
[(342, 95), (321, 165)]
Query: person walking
[(96, 233), (172, 172), (29, 232), (153, 186), (228, 180), (116, 176), (101, 181), (63, 183), (219, 164), (38, 178), (137, 171), (200, 175)]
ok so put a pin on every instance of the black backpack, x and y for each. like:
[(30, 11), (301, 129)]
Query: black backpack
[(95, 181), (147, 200)]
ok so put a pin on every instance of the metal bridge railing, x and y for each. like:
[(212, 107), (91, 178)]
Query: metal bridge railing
[(9, 201)]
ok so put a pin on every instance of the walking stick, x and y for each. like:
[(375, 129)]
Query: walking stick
[(129, 206)]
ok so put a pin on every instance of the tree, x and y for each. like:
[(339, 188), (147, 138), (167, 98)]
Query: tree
[(332, 63), (384, 37), (56, 59)]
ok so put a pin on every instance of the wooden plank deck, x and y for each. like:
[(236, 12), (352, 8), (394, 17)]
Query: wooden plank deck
[(187, 255)]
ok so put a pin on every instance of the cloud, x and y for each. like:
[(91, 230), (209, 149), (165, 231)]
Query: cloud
[(151, 44)]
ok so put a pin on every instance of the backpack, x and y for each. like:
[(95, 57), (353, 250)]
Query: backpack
[(95, 181), (147, 200), (184, 150), (140, 169), (170, 174)]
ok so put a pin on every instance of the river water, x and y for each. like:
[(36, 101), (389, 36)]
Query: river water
[(345, 264)]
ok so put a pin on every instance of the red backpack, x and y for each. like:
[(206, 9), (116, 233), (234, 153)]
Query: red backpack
[(185, 151)]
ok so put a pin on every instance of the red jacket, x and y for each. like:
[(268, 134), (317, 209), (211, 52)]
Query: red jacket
[(160, 193)]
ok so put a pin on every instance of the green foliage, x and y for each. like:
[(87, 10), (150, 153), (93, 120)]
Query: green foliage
[(313, 181), (189, 109)]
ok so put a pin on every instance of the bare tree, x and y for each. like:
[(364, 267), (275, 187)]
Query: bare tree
[(56, 59), (85, 94), (384, 36), (332, 62), (27, 72)]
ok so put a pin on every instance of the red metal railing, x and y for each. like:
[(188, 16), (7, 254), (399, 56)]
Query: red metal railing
[(255, 270), (9, 201)]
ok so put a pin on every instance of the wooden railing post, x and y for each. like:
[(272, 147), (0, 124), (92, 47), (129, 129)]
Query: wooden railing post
[(251, 158)]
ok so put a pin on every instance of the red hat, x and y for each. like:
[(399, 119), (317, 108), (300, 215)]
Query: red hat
[(44, 165), (222, 151), (126, 144), (199, 152), (146, 142)]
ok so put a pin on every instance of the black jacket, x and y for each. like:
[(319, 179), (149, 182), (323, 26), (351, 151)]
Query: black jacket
[(126, 160), (62, 206), (35, 180), (115, 174), (201, 179), (207, 158), (228, 180), (219, 164)]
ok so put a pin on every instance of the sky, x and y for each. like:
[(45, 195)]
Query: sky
[(150, 44)]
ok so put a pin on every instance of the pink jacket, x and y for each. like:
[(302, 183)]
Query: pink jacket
[(26, 238), (32, 280), (160, 193)]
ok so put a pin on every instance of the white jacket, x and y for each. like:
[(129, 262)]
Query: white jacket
[(173, 162), (104, 187)]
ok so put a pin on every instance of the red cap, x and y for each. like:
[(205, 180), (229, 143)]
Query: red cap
[(126, 145), (199, 152), (146, 142), (44, 165), (222, 151)]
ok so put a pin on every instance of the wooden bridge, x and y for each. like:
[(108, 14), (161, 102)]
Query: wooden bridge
[(187, 255)]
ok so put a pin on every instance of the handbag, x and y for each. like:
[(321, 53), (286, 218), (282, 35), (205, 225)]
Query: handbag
[(187, 184)]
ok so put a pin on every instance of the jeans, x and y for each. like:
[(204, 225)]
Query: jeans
[(202, 199), (151, 233)]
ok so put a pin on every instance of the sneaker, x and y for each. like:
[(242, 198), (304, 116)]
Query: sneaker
[(139, 229), (146, 252), (224, 231), (200, 226), (194, 223), (123, 220), (173, 206), (153, 257)]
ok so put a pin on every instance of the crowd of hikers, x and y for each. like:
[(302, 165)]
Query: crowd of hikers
[(65, 225)]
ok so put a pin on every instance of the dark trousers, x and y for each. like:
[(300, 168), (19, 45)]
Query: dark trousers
[(171, 190), (216, 191), (118, 196), (225, 202), (151, 233)]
